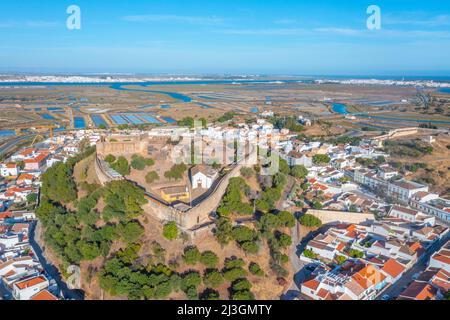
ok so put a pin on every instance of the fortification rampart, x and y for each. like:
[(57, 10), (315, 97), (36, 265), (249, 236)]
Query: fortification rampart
[(340, 216)]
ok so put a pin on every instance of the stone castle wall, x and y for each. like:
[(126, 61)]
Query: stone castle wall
[(188, 221), (123, 145), (340, 216)]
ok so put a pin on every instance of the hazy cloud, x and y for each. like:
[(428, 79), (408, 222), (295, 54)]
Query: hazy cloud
[(345, 32), (285, 21), (212, 20), (30, 24), (416, 19)]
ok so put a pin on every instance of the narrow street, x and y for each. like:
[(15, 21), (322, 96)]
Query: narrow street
[(299, 242), (51, 270)]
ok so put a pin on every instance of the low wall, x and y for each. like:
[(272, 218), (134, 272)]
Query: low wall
[(102, 173), (341, 216), (403, 132)]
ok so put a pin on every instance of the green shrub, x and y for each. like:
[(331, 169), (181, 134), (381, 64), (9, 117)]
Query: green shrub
[(309, 220), (170, 231)]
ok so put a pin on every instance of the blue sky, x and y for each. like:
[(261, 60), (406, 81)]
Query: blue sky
[(232, 36)]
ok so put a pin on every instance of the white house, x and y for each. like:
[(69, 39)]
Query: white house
[(410, 215), (441, 259), (203, 177), (9, 241), (55, 159), (8, 170), (24, 290), (403, 190)]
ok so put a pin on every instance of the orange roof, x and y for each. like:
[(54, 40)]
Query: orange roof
[(44, 295), (30, 282), (442, 258), (393, 268), (11, 165), (4, 215), (368, 276), (39, 158), (311, 284), (419, 291), (28, 151), (415, 246), (325, 294), (340, 246), (24, 176)]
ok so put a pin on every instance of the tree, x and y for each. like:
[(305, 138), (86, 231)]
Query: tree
[(176, 172), (190, 280), (249, 247), (255, 269), (138, 163), (110, 159), (151, 177), (321, 159), (284, 166), (213, 278), (89, 250), (170, 231), (234, 262), (234, 274), (232, 200), (102, 126), (121, 166), (242, 295), (284, 240), (355, 253), (241, 285), (309, 220), (286, 219), (123, 200), (32, 197), (223, 231), (131, 231), (341, 259), (186, 122), (269, 221), (209, 259), (226, 117), (246, 239), (299, 171), (309, 254), (58, 184), (317, 205), (191, 255), (210, 294)]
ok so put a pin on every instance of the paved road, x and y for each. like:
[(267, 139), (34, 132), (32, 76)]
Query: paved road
[(398, 287), (4, 294), (51, 270), (299, 241), (10, 145)]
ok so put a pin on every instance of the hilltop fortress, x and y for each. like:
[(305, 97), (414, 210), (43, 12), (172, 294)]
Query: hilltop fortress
[(190, 216)]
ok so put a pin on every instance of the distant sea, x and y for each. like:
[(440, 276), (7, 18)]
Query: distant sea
[(297, 79)]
